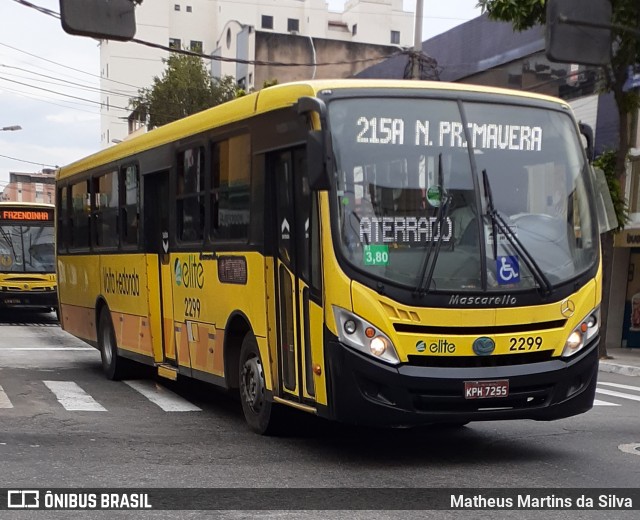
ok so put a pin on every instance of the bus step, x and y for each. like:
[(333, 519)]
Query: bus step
[(168, 371)]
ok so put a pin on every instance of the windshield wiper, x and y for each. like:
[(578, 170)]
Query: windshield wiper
[(441, 215), (498, 222)]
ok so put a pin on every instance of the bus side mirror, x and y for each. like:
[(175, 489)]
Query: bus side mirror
[(576, 33), (607, 218), (103, 19), (317, 145), (587, 132), (316, 167)]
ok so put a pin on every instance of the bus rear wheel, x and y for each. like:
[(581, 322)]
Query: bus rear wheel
[(259, 412), (114, 366)]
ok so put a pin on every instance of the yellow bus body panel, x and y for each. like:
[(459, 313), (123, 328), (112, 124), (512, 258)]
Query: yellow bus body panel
[(386, 313), (202, 306)]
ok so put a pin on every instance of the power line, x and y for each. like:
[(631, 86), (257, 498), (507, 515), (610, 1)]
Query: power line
[(62, 94), (43, 99), (29, 162), (110, 106), (262, 62), (222, 58), (62, 81), (67, 66), (38, 8)]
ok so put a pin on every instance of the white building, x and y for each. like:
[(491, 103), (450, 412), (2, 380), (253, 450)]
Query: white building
[(203, 25)]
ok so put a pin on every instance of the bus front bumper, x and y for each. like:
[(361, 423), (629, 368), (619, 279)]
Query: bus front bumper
[(365, 391), (28, 299)]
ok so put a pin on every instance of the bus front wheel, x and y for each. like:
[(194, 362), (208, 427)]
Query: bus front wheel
[(259, 412), (113, 365)]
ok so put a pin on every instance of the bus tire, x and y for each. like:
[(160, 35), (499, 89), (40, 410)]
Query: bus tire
[(114, 366), (259, 412)]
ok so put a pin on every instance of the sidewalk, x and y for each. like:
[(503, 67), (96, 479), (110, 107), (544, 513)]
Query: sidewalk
[(625, 361)]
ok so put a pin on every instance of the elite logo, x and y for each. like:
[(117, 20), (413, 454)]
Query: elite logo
[(189, 274)]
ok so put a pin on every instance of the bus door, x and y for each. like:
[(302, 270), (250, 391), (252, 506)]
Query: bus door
[(298, 296), (156, 232)]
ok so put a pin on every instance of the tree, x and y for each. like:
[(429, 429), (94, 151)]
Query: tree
[(184, 89), (625, 51)]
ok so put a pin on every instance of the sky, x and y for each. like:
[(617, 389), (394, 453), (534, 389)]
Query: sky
[(60, 121)]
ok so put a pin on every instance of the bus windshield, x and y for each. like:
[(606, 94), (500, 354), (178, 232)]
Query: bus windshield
[(422, 182), (27, 248)]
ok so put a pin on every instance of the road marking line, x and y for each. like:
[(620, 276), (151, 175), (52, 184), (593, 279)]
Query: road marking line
[(4, 400), (633, 448), (617, 394), (597, 402), (164, 398), (618, 385), (74, 398)]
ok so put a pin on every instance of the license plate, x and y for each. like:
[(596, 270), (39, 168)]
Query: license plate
[(486, 389), (11, 301)]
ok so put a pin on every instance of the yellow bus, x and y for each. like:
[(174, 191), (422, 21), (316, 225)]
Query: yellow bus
[(27, 256), (375, 252)]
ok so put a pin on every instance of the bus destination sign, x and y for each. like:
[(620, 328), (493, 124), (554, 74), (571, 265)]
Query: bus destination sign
[(17, 214)]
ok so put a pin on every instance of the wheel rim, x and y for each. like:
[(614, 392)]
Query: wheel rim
[(252, 382), (106, 347)]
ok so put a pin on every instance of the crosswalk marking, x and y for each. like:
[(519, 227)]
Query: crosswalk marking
[(618, 385), (617, 394), (4, 400), (597, 402), (164, 398), (72, 397)]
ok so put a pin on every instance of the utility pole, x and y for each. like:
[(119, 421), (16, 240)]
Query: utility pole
[(417, 41)]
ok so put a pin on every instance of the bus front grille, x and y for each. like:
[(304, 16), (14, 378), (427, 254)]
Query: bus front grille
[(480, 361)]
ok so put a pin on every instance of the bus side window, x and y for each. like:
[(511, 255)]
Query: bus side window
[(105, 209), (230, 197), (130, 204), (80, 213), (190, 196)]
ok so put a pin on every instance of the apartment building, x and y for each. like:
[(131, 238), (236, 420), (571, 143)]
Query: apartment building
[(220, 28), (31, 187)]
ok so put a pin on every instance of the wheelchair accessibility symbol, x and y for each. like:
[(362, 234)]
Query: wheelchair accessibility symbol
[(508, 270)]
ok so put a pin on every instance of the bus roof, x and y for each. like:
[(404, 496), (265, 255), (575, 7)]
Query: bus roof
[(272, 98), (15, 204)]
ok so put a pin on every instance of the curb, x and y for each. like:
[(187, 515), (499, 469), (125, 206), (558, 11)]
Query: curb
[(616, 368)]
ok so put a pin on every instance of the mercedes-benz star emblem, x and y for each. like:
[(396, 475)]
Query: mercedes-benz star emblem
[(567, 308)]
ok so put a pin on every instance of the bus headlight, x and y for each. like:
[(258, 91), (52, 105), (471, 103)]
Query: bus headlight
[(364, 337), (581, 335)]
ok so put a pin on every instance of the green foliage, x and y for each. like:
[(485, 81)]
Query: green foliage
[(607, 163), (269, 83), (523, 14), (184, 89)]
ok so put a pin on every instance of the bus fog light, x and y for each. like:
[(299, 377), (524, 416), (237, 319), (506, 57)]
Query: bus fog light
[(378, 346), (349, 326)]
